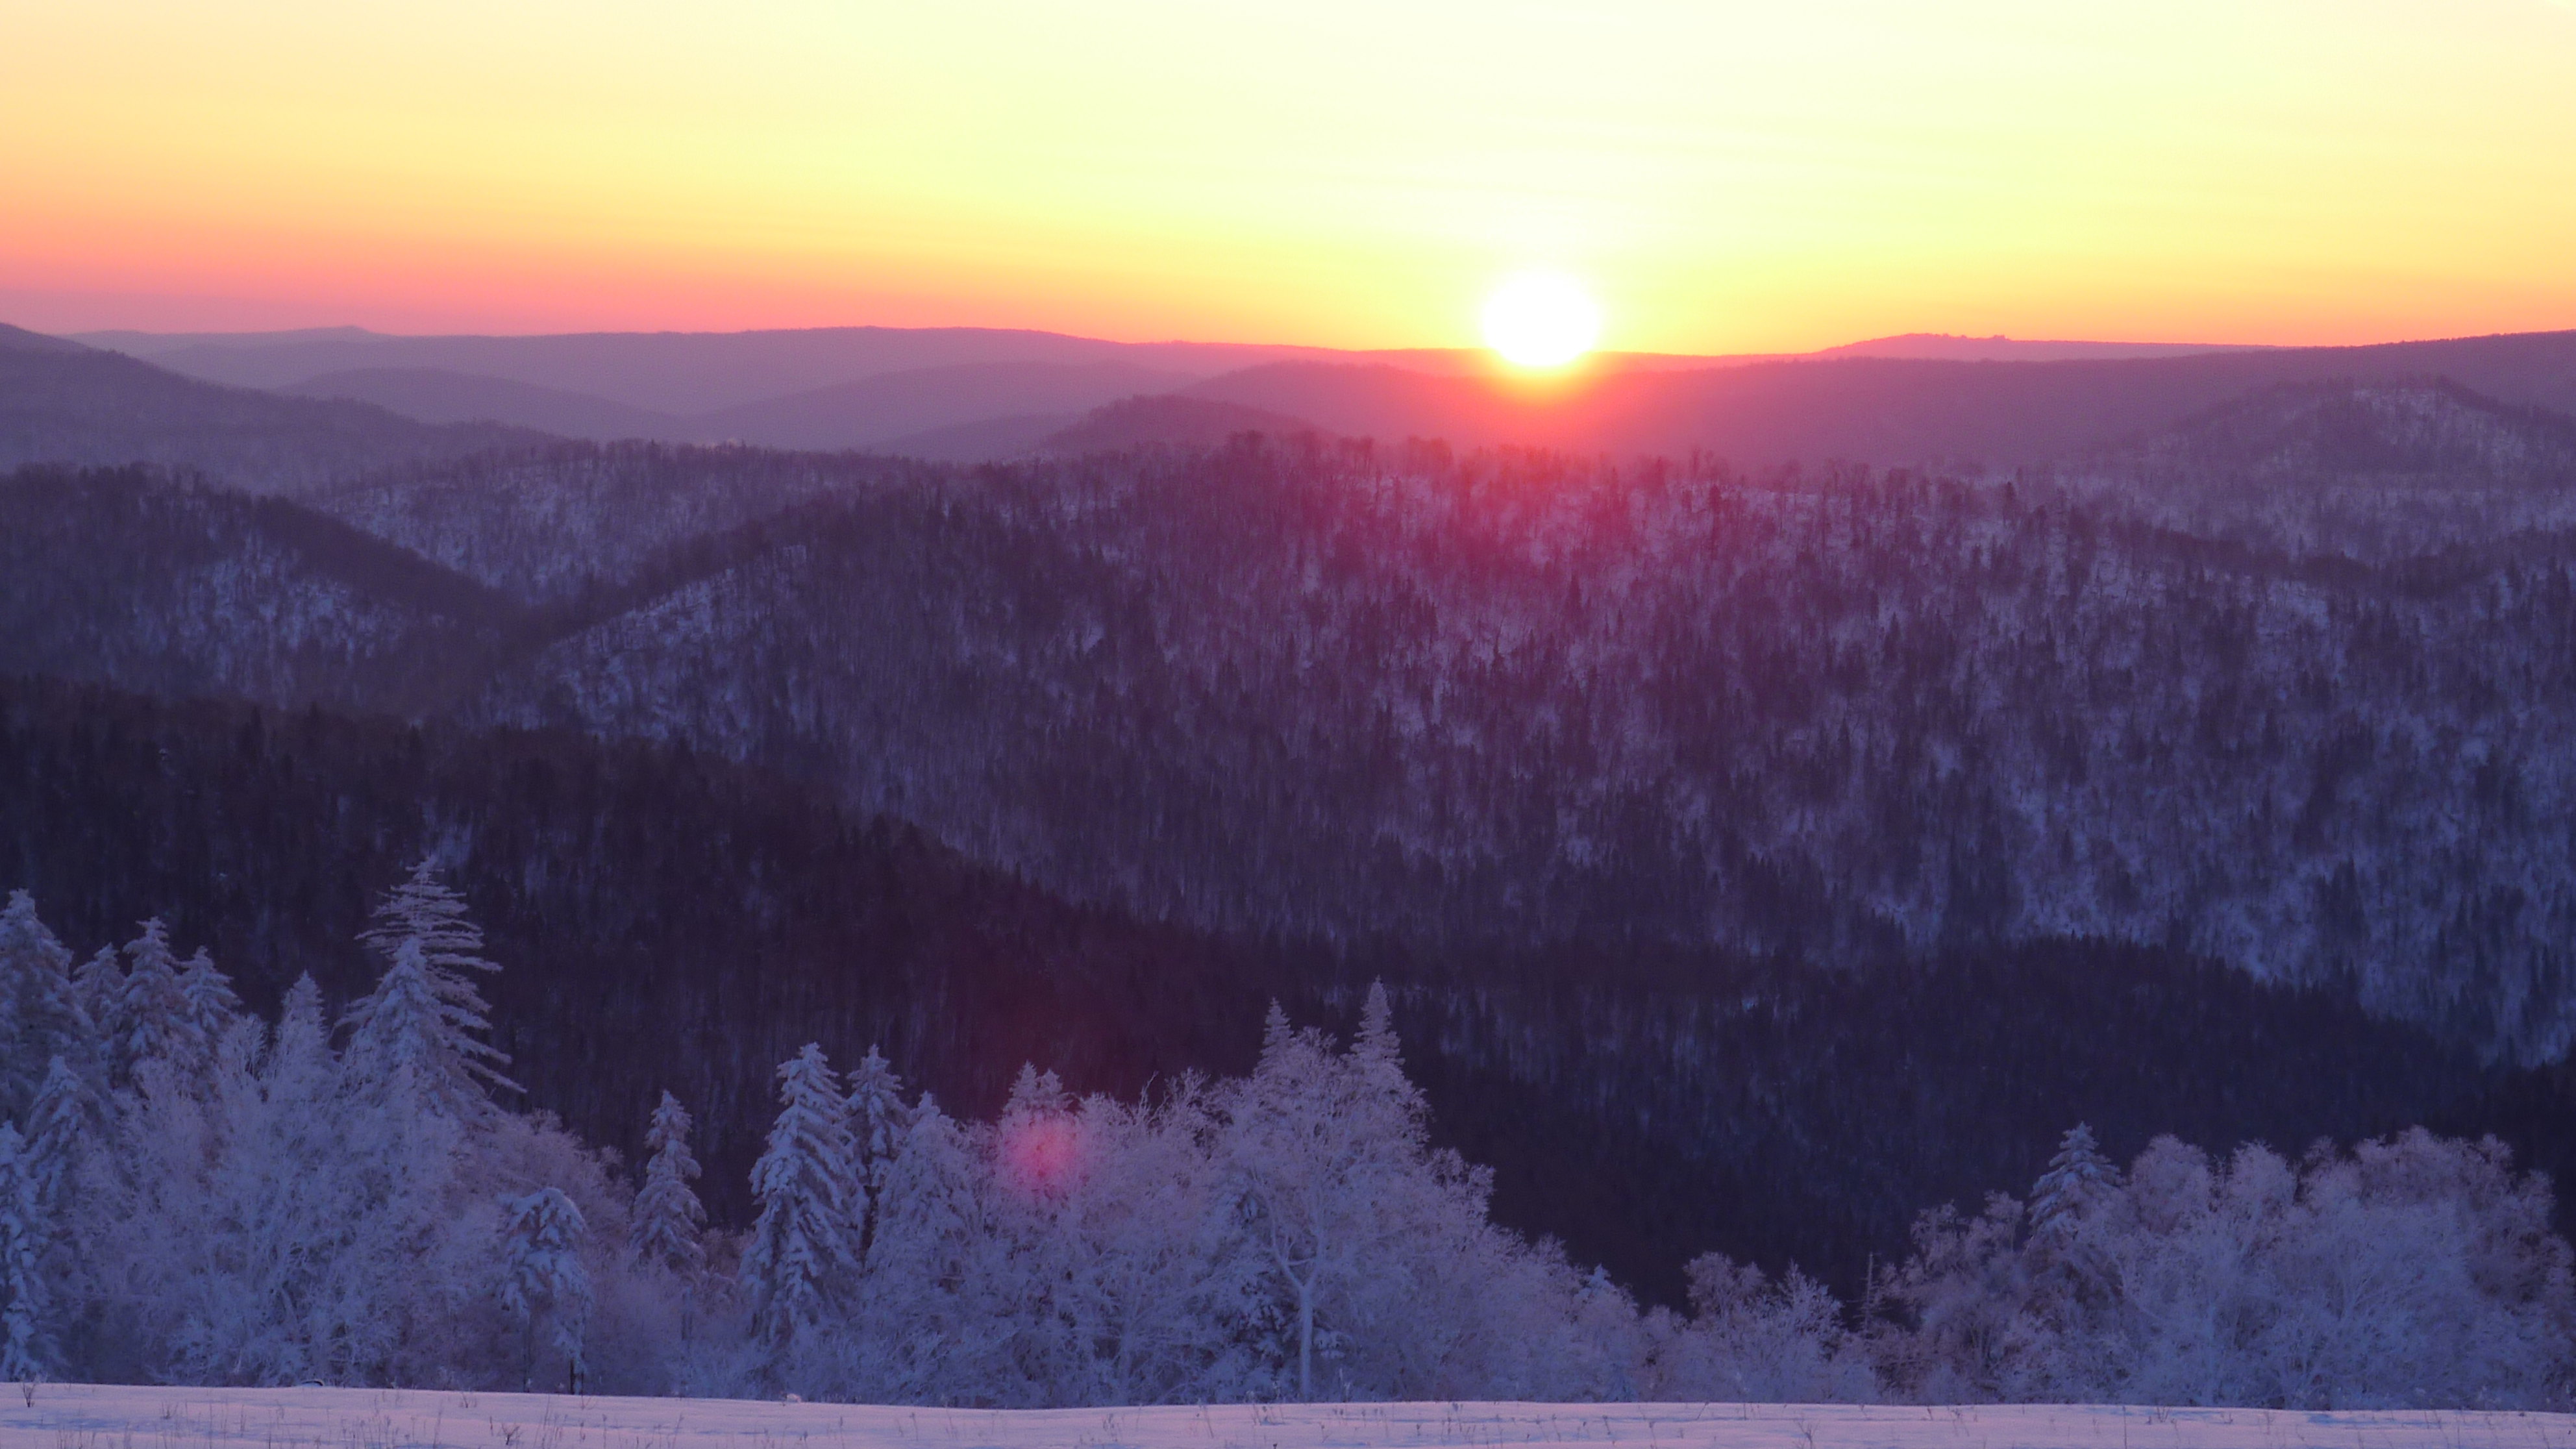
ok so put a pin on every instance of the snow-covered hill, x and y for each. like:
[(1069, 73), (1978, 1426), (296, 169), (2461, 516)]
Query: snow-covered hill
[(82, 1416)]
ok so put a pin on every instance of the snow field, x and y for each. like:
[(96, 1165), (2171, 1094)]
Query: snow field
[(93, 1416)]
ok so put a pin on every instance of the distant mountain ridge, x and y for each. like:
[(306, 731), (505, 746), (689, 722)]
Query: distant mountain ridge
[(835, 388), (61, 402)]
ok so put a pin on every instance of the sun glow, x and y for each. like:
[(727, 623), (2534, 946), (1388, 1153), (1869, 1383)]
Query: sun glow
[(1541, 319)]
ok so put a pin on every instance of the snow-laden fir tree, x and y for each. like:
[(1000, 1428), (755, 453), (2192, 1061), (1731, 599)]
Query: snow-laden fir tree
[(929, 1261), (544, 1285), (98, 986), (804, 1246), (153, 1022), (420, 1033), (40, 1013), (212, 1004), (877, 1121), (26, 1236), (668, 1216), (61, 1124), (2077, 1177)]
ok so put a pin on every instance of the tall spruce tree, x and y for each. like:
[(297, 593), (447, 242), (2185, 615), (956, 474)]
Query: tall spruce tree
[(544, 1284), (668, 1216), (2077, 1177), (212, 1004), (153, 1021), (878, 1118), (804, 1247), (41, 1019), (61, 1124), (421, 1032)]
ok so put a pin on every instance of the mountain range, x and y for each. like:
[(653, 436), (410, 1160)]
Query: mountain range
[(1784, 846), (969, 395)]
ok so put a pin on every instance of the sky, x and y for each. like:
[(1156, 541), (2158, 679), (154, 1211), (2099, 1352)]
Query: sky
[(1722, 176)]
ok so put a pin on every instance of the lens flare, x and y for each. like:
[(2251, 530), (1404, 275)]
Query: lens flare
[(1541, 319)]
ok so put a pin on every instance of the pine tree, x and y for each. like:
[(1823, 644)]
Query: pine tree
[(152, 1015), (420, 1032), (212, 1004), (668, 1215), (60, 1127), (98, 988), (299, 1052), (40, 1012), (26, 1235), (804, 1245), (545, 1284), (877, 1121), (930, 1263), (2078, 1176)]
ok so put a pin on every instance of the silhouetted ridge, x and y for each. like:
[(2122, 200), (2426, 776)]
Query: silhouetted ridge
[(1171, 421)]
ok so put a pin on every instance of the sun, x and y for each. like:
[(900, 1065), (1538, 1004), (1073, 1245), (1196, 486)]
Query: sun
[(1541, 319)]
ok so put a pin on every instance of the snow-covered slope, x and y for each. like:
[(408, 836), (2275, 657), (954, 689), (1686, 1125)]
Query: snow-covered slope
[(69, 1416)]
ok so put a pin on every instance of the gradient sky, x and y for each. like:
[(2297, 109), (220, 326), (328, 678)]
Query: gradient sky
[(1726, 176)]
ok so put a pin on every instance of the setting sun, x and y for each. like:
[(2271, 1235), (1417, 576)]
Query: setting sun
[(1541, 319)]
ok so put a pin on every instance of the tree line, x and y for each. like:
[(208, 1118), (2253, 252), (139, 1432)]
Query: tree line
[(192, 1192)]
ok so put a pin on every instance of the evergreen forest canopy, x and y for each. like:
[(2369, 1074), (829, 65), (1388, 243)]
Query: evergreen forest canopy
[(1753, 859), (192, 1193)]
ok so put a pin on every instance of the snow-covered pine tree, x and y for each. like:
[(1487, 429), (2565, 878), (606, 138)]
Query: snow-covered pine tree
[(26, 1236), (2078, 1176), (40, 1012), (213, 1005), (932, 1249), (804, 1246), (152, 1017), (98, 988), (60, 1127), (544, 1284), (420, 1032), (668, 1216), (299, 1053), (878, 1118)]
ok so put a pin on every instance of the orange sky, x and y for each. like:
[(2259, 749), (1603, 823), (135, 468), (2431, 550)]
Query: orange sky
[(1725, 176)]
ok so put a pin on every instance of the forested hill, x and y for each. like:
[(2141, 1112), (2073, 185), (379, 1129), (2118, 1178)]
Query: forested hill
[(1509, 701), (665, 920)]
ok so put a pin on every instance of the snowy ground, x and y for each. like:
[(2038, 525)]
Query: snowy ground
[(98, 1417)]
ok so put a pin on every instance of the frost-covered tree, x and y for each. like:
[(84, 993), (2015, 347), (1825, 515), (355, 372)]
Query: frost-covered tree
[(153, 1022), (421, 1032), (926, 1286), (2078, 1177), (98, 987), (877, 1119), (803, 1247), (668, 1217), (26, 1241), (544, 1285), (212, 1004), (1755, 1339), (61, 1124), (41, 1019), (1346, 1213), (2411, 1272)]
